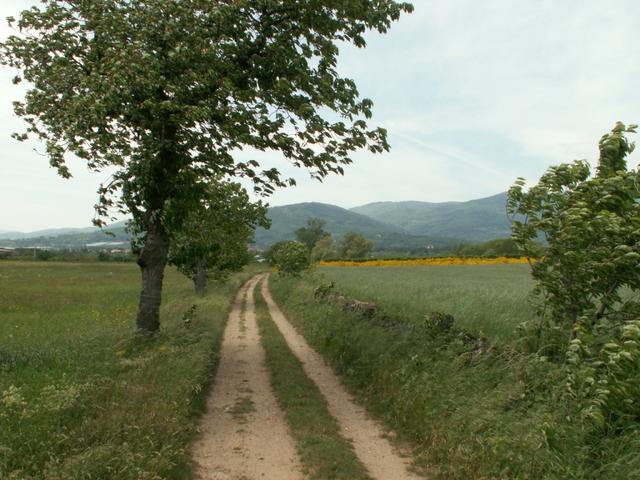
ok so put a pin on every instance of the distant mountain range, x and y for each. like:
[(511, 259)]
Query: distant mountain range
[(72, 238), (475, 220), (396, 226), (285, 220)]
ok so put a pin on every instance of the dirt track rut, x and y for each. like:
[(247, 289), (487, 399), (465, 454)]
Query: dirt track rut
[(244, 435), (369, 441), (244, 432)]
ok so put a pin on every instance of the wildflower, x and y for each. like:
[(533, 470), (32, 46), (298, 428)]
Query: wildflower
[(426, 262)]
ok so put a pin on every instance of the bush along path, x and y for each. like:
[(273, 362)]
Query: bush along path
[(245, 434)]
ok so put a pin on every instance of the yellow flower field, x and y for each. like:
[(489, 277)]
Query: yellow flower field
[(426, 261)]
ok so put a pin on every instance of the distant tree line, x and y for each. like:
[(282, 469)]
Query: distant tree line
[(500, 247)]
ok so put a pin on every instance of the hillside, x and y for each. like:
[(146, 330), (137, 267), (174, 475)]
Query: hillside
[(285, 220), (72, 238), (403, 227), (475, 220)]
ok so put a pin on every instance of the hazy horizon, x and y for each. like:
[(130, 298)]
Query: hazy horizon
[(64, 227)]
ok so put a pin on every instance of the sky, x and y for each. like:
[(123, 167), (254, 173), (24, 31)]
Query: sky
[(473, 94)]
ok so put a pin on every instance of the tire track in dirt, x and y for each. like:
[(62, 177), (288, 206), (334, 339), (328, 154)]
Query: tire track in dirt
[(368, 437), (244, 435)]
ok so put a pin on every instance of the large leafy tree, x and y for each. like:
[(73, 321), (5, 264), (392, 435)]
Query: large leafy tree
[(165, 92), (213, 238)]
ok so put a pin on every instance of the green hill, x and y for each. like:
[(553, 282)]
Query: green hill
[(472, 221), (401, 227), (285, 220)]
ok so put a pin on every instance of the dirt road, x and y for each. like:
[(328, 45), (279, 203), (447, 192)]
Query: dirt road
[(244, 433)]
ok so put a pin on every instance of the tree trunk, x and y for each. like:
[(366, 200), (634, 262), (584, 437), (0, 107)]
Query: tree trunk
[(200, 278), (152, 260)]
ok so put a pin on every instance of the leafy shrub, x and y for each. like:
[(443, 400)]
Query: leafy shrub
[(592, 226), (586, 280), (291, 258), (354, 245), (605, 380)]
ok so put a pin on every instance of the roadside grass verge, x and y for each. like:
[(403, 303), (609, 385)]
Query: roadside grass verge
[(485, 299), (469, 414), (472, 408), (324, 452), (80, 396)]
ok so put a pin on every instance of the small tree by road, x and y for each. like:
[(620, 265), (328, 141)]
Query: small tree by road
[(323, 249), (290, 257), (214, 237)]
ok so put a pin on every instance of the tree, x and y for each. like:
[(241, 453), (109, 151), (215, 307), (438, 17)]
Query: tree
[(589, 279), (164, 93), (270, 253), (354, 245), (213, 239), (291, 257), (323, 249), (592, 227), (313, 232)]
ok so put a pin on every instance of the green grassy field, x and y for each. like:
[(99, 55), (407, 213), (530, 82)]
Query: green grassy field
[(488, 299), (79, 397)]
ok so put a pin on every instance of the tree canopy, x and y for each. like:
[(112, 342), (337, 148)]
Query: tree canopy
[(313, 232), (589, 279), (214, 238), (165, 93), (128, 84), (354, 245)]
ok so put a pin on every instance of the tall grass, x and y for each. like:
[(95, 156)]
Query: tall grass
[(79, 396), (487, 299), (470, 415)]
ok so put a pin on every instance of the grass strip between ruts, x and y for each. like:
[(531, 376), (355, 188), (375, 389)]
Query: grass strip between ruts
[(324, 452)]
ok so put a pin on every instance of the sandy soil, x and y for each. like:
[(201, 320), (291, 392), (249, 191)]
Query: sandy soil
[(368, 437), (244, 435)]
